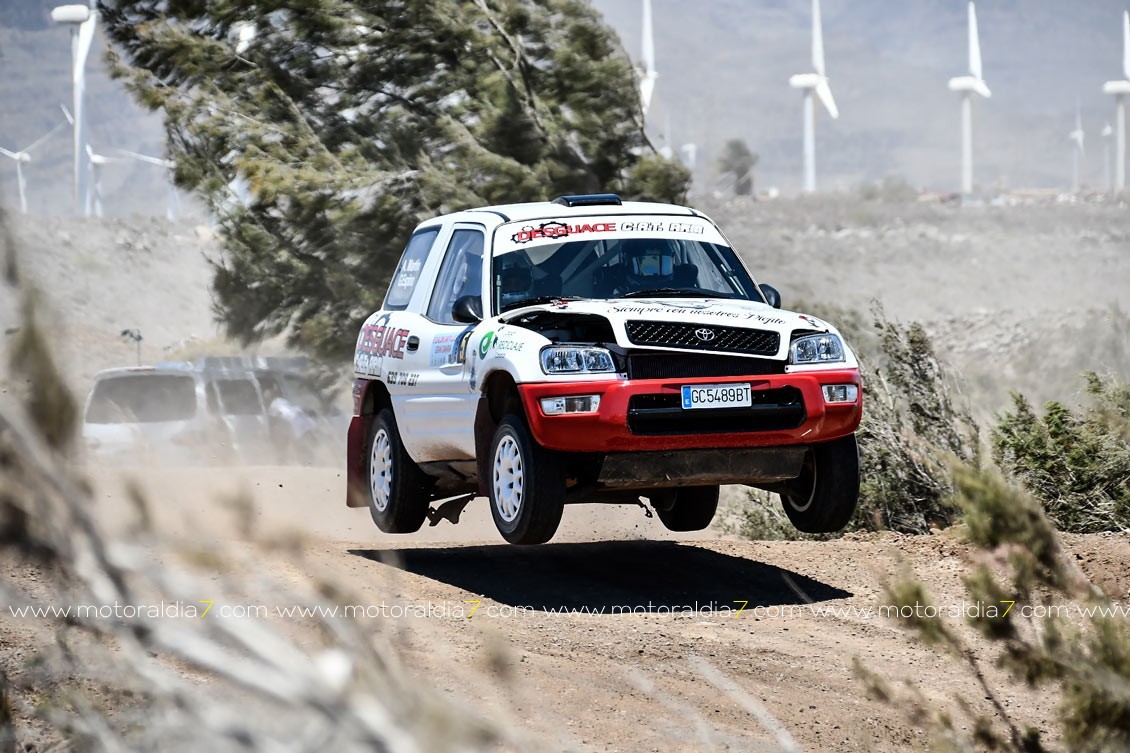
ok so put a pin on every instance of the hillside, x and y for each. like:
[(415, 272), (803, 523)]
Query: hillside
[(724, 68)]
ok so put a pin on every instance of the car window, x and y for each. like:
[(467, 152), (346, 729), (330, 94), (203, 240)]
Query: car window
[(615, 267), (460, 274), (407, 272), (238, 397), (142, 398)]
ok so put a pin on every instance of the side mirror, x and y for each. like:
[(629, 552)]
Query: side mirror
[(772, 296), (468, 309)]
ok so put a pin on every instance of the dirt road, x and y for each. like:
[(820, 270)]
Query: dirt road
[(593, 642)]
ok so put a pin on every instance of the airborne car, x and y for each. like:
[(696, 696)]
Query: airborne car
[(590, 349)]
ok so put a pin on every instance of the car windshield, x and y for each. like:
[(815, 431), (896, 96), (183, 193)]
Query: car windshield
[(142, 398), (607, 268)]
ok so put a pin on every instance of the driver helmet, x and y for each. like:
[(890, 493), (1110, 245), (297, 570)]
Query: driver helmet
[(649, 259)]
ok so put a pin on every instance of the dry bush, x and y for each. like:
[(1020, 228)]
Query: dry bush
[(1048, 624), (915, 425)]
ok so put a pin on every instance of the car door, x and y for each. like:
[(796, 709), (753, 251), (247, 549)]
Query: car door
[(439, 409)]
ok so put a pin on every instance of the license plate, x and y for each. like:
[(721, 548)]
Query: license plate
[(716, 396)]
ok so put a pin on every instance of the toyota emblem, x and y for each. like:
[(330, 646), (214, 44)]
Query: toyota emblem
[(704, 334)]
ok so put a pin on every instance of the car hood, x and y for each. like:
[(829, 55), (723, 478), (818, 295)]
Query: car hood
[(707, 312)]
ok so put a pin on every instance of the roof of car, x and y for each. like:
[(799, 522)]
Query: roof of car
[(549, 209)]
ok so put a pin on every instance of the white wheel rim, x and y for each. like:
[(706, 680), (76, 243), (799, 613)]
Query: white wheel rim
[(794, 501), (509, 479), (380, 470)]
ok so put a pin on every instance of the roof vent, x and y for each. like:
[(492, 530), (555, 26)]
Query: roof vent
[(589, 200)]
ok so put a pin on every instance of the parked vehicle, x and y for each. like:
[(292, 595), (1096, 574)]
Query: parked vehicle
[(594, 350), (215, 410)]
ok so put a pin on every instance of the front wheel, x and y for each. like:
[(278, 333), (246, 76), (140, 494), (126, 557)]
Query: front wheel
[(398, 489), (527, 484), (823, 497), (691, 508)]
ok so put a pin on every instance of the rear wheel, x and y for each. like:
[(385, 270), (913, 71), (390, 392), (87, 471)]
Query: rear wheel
[(527, 484), (398, 489), (823, 497), (691, 509)]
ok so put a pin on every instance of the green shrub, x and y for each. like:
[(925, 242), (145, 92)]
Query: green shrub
[(1076, 464)]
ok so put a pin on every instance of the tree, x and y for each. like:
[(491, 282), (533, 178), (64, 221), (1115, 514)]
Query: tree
[(738, 161), (322, 138)]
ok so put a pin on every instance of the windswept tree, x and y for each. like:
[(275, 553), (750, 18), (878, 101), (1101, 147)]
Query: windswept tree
[(320, 132), (738, 161)]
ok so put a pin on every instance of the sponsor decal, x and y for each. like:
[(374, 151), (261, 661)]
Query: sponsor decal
[(555, 229), (485, 343), (662, 226), (704, 309), (367, 364), (402, 378), (443, 350), (379, 340), (507, 345)]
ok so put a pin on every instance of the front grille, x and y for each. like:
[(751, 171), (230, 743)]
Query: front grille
[(675, 365), (703, 337), (662, 413)]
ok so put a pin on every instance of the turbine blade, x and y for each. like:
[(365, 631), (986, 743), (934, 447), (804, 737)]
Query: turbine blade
[(44, 137), (85, 39), (817, 39), (67, 114), (6, 153), (648, 39), (647, 86), (982, 88), (1126, 43), (974, 44), (146, 158), (824, 92)]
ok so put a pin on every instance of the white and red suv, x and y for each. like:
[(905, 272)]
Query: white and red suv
[(594, 350)]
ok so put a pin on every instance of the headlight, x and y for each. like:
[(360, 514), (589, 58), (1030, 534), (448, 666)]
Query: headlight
[(576, 360), (816, 349)]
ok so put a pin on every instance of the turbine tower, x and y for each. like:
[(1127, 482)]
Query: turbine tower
[(814, 84), (1120, 89), (1078, 151), (648, 74), (22, 157), (969, 85), (1107, 133), (82, 20)]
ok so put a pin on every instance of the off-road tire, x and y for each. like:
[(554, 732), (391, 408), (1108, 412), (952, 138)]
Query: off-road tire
[(398, 490), (692, 509), (526, 483), (823, 498)]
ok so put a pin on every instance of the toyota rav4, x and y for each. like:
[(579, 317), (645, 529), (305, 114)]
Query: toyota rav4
[(594, 350)]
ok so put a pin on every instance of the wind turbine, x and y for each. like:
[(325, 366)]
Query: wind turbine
[(1077, 153), (1120, 89), (82, 20), (814, 84), (167, 164), (22, 157), (94, 196), (648, 74), (969, 85)]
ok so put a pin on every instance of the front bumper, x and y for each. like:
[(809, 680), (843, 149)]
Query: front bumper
[(624, 424)]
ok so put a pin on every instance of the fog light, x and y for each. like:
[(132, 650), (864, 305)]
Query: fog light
[(840, 393), (556, 406)]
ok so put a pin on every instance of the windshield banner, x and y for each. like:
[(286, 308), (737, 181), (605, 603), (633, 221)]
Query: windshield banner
[(513, 236)]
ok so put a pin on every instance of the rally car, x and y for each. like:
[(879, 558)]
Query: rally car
[(590, 349)]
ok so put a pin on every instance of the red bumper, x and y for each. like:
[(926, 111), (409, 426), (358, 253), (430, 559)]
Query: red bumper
[(608, 429)]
